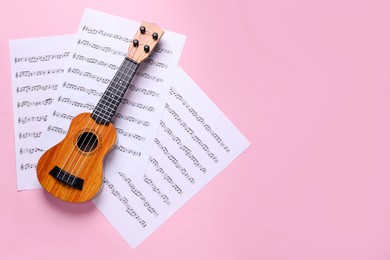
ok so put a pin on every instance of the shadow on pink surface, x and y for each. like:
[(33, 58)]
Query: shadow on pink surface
[(66, 207)]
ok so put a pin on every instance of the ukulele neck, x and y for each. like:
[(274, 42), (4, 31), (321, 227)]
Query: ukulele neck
[(112, 97)]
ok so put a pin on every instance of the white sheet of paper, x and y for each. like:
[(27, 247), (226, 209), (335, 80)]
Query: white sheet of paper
[(36, 66), (98, 49), (194, 143)]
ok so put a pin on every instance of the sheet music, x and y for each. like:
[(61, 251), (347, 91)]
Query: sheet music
[(98, 50), (194, 143), (35, 76)]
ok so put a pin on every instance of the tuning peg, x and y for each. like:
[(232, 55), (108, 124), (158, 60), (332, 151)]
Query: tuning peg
[(155, 36), (146, 48), (135, 43), (142, 29)]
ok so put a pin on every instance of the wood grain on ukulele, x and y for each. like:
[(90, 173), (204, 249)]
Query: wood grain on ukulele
[(72, 170)]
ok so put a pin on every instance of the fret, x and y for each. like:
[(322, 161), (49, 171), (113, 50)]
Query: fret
[(112, 101), (119, 80), (116, 92), (112, 90), (113, 95), (102, 116), (108, 108), (123, 73), (109, 102), (108, 105), (118, 85)]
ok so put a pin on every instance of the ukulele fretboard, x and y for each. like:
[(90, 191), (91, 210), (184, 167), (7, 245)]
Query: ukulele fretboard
[(112, 97)]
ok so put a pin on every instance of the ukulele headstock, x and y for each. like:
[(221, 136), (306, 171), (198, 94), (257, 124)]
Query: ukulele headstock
[(146, 38)]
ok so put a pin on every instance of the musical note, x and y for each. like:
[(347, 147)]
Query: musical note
[(47, 57), (178, 163), (174, 93), (178, 166), (150, 61), (30, 150), (144, 91), (62, 115), (193, 137), (89, 75), (23, 135), (150, 77), (27, 73), (163, 185), (27, 89), (36, 66), (124, 201), (91, 30), (127, 150), (88, 91), (95, 61), (155, 189), (138, 105), (45, 102), (165, 175), (132, 119), (75, 103), (127, 134), (101, 48), (162, 50), (56, 129), (26, 166), (96, 56), (138, 193), (28, 119)]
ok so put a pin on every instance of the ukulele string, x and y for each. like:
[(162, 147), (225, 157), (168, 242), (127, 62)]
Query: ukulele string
[(131, 69), (93, 144), (89, 141), (75, 148), (74, 178), (78, 155), (97, 130)]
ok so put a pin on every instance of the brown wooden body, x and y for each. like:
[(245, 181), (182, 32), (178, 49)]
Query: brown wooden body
[(85, 165)]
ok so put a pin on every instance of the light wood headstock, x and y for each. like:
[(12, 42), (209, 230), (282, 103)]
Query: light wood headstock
[(144, 41)]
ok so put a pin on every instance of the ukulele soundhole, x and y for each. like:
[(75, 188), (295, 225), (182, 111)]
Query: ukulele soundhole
[(87, 142)]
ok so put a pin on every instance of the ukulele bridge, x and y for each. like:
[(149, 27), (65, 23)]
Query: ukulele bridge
[(67, 178)]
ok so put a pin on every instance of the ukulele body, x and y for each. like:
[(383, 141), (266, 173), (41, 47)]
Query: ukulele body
[(72, 170)]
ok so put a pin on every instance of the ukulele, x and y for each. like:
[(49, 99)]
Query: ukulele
[(72, 170)]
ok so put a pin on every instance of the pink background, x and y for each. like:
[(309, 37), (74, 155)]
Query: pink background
[(307, 82)]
